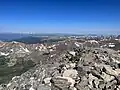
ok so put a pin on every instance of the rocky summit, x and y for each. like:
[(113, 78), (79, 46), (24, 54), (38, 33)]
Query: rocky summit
[(65, 65)]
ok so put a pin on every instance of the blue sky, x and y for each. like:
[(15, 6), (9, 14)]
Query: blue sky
[(60, 16)]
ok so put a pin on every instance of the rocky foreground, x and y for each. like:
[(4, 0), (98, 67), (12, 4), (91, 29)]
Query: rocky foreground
[(71, 68)]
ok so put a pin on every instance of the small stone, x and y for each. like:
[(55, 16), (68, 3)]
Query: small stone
[(47, 81), (106, 77), (70, 73), (72, 65), (110, 84), (31, 88), (81, 71), (9, 84), (72, 53), (110, 71), (91, 79), (43, 87), (61, 83), (32, 78), (79, 87)]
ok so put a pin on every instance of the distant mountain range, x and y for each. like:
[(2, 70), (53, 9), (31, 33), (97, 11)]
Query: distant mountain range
[(36, 38), (11, 36), (29, 38), (118, 36)]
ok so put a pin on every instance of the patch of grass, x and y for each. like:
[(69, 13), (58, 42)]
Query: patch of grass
[(6, 73), (3, 60)]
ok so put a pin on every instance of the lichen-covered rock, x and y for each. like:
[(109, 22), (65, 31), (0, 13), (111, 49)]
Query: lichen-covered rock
[(61, 83)]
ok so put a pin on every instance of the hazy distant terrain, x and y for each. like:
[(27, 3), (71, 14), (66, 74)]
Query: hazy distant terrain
[(11, 36), (31, 38), (19, 37)]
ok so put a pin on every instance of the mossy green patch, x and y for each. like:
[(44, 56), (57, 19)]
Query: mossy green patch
[(6, 72)]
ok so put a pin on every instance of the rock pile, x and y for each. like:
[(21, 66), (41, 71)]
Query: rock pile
[(80, 69)]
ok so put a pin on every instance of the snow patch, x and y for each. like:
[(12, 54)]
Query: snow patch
[(72, 52), (4, 54), (31, 88), (77, 44)]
